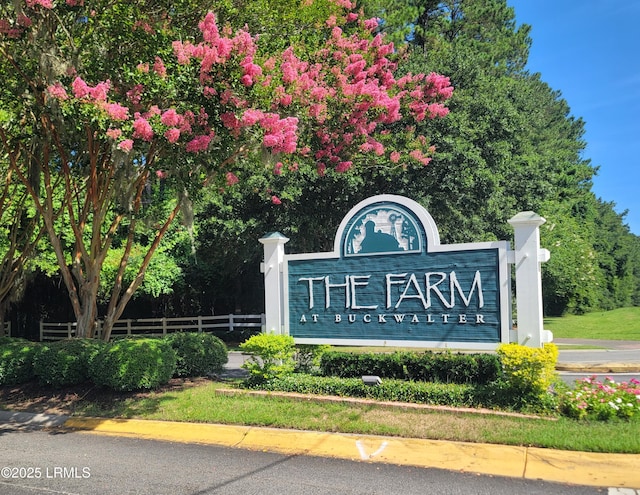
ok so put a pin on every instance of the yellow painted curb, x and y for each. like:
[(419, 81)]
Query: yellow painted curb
[(225, 435), (609, 470), (585, 468)]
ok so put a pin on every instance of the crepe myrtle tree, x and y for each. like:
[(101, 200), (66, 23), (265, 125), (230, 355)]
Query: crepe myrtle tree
[(102, 117)]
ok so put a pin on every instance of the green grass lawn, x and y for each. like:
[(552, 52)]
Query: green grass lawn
[(201, 403), (619, 324)]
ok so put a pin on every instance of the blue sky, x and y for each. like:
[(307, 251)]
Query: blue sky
[(590, 51)]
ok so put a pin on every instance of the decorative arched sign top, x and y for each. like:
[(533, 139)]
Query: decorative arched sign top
[(386, 224)]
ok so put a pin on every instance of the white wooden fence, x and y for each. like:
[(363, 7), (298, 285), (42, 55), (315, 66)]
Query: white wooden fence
[(156, 327)]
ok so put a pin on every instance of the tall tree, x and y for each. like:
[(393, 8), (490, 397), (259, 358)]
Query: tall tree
[(116, 96)]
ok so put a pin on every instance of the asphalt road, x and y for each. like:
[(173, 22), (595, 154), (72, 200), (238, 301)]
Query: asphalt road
[(74, 463)]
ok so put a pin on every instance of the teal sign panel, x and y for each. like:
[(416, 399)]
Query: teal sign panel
[(388, 281)]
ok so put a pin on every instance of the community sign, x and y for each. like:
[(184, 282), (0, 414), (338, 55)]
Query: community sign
[(389, 282)]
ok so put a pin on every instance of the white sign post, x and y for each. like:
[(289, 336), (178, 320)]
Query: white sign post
[(527, 258), (273, 281)]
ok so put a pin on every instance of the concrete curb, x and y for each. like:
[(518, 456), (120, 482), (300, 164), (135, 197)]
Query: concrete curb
[(32, 420), (584, 468), (599, 368)]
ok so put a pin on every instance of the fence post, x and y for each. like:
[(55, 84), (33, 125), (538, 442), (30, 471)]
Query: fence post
[(230, 323), (128, 327), (164, 326), (200, 329), (273, 281), (528, 257), (41, 330)]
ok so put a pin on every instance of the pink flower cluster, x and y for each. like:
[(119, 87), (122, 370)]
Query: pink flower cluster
[(47, 4), (217, 49), (172, 124), (602, 400), (351, 94)]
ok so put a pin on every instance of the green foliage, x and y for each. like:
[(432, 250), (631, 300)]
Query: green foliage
[(443, 367), (389, 390), (65, 362), (272, 356), (133, 364), (16, 361), (308, 357), (529, 371), (197, 354)]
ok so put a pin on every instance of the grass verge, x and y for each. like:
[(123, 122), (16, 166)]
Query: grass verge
[(618, 324), (200, 403)]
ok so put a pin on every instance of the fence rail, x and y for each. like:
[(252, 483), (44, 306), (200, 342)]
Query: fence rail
[(156, 327)]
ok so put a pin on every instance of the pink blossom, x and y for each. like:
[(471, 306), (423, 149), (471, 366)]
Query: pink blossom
[(117, 111), (199, 143), (172, 135), (126, 145), (171, 118), (394, 157), (146, 27), (182, 51), (75, 3), (142, 129), (57, 91), (144, 68), (347, 4), (247, 80), (276, 200), (80, 88), (135, 94), (209, 28), (343, 166), (159, 68), (352, 16), (252, 116), (371, 24), (277, 169), (23, 20), (114, 133), (47, 4), (153, 110), (161, 174), (232, 179), (230, 121), (9, 30)]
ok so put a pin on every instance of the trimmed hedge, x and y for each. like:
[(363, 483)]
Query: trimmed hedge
[(198, 354), (133, 364), (448, 394), (65, 362), (16, 361), (442, 367)]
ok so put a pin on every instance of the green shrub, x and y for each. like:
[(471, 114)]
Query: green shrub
[(308, 357), (389, 390), (16, 361), (428, 366), (65, 362), (272, 356), (133, 364), (197, 354)]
